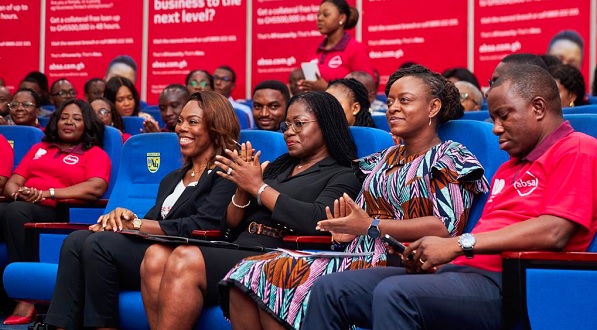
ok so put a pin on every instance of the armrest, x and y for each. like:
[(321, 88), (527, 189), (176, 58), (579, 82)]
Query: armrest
[(34, 229), (514, 280), (63, 206), (308, 242), (207, 234)]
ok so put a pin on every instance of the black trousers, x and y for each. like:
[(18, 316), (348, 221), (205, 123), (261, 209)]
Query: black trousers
[(13, 217), (92, 270)]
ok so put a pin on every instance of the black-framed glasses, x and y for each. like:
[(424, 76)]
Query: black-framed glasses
[(26, 105), (104, 112), (225, 78), (297, 126), (202, 84), (65, 93)]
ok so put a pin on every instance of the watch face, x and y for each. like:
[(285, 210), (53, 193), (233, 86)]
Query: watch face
[(467, 240), (373, 232)]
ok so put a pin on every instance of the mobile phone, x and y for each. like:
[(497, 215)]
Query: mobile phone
[(394, 243), (238, 145)]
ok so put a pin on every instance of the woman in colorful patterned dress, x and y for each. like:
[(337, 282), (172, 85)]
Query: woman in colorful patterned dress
[(425, 181)]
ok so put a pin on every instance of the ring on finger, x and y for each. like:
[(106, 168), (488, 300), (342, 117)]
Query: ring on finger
[(229, 172)]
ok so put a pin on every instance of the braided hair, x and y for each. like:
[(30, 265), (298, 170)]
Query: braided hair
[(359, 94), (571, 78), (332, 122), (438, 86)]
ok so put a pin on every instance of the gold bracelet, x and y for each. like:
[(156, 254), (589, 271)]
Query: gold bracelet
[(239, 206)]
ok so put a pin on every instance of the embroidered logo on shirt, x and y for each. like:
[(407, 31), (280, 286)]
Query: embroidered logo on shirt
[(498, 185), (335, 62), (71, 160), (526, 184), (40, 152)]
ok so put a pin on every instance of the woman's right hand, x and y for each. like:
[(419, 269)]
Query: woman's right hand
[(113, 220), (29, 195), (340, 211), (247, 175)]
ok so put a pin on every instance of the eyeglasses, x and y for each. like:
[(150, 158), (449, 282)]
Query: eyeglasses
[(196, 83), (64, 93), (104, 112), (225, 78), (297, 126), (491, 81), (26, 105)]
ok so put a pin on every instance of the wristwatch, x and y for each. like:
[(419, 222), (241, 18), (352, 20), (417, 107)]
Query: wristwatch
[(136, 222), (467, 242), (373, 230)]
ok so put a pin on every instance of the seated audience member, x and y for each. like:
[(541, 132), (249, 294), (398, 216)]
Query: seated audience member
[(290, 196), (38, 82), (461, 74), (513, 60), (470, 96), (106, 112), (94, 89), (69, 163), (294, 77), (367, 81), (6, 162), (172, 99), (547, 215), (5, 98), (198, 81), (122, 66), (96, 264), (24, 108), (224, 83), (270, 100), (568, 46), (123, 93), (571, 84), (60, 91), (354, 99), (391, 202)]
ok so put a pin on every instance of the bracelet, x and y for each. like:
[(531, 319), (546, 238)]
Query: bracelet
[(52, 193), (239, 206), (260, 191)]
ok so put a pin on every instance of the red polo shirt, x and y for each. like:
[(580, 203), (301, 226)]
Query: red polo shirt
[(7, 160), (346, 56), (558, 177), (45, 166)]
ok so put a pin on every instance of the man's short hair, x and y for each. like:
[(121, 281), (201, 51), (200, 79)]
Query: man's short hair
[(276, 85), (229, 69), (524, 58)]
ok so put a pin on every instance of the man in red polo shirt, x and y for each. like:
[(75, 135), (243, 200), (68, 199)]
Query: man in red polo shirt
[(543, 198)]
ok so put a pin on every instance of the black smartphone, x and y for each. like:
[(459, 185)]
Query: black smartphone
[(394, 243)]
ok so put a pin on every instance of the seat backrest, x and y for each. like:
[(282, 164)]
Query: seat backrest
[(133, 125), (370, 140), (145, 161), (476, 136), (589, 108), (154, 111), (243, 119), (476, 115), (381, 122), (583, 122), (21, 138), (113, 147), (271, 144)]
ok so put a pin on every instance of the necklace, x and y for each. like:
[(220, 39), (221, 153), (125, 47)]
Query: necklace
[(193, 171), (304, 164)]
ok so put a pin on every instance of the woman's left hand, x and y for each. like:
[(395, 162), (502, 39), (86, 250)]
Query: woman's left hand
[(30, 195), (247, 175), (352, 223), (118, 219)]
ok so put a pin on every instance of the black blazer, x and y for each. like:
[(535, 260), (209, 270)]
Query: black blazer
[(199, 207)]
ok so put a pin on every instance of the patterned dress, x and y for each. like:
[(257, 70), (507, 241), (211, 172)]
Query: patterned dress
[(440, 182)]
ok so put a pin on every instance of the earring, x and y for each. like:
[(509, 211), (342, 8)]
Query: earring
[(341, 22), (429, 121), (571, 104)]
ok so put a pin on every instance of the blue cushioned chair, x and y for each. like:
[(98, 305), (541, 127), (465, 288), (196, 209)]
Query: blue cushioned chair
[(381, 122), (370, 140), (21, 138), (146, 159), (243, 119), (480, 115), (593, 99), (478, 137), (154, 111), (43, 121), (271, 144), (583, 122), (133, 125), (589, 108)]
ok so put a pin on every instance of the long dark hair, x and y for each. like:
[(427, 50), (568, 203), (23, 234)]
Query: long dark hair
[(114, 84), (332, 122), (357, 91), (94, 127)]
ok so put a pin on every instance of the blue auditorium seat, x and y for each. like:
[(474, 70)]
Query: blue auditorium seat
[(133, 125), (589, 108), (43, 121), (243, 119), (154, 111), (480, 115), (592, 99), (584, 122), (370, 140), (21, 138), (381, 122), (271, 144)]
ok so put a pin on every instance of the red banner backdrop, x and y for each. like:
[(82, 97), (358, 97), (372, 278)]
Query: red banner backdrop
[(433, 34), (195, 34), (19, 41), (524, 26), (82, 37)]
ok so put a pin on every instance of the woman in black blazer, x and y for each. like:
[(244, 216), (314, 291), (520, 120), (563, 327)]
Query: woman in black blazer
[(96, 264)]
